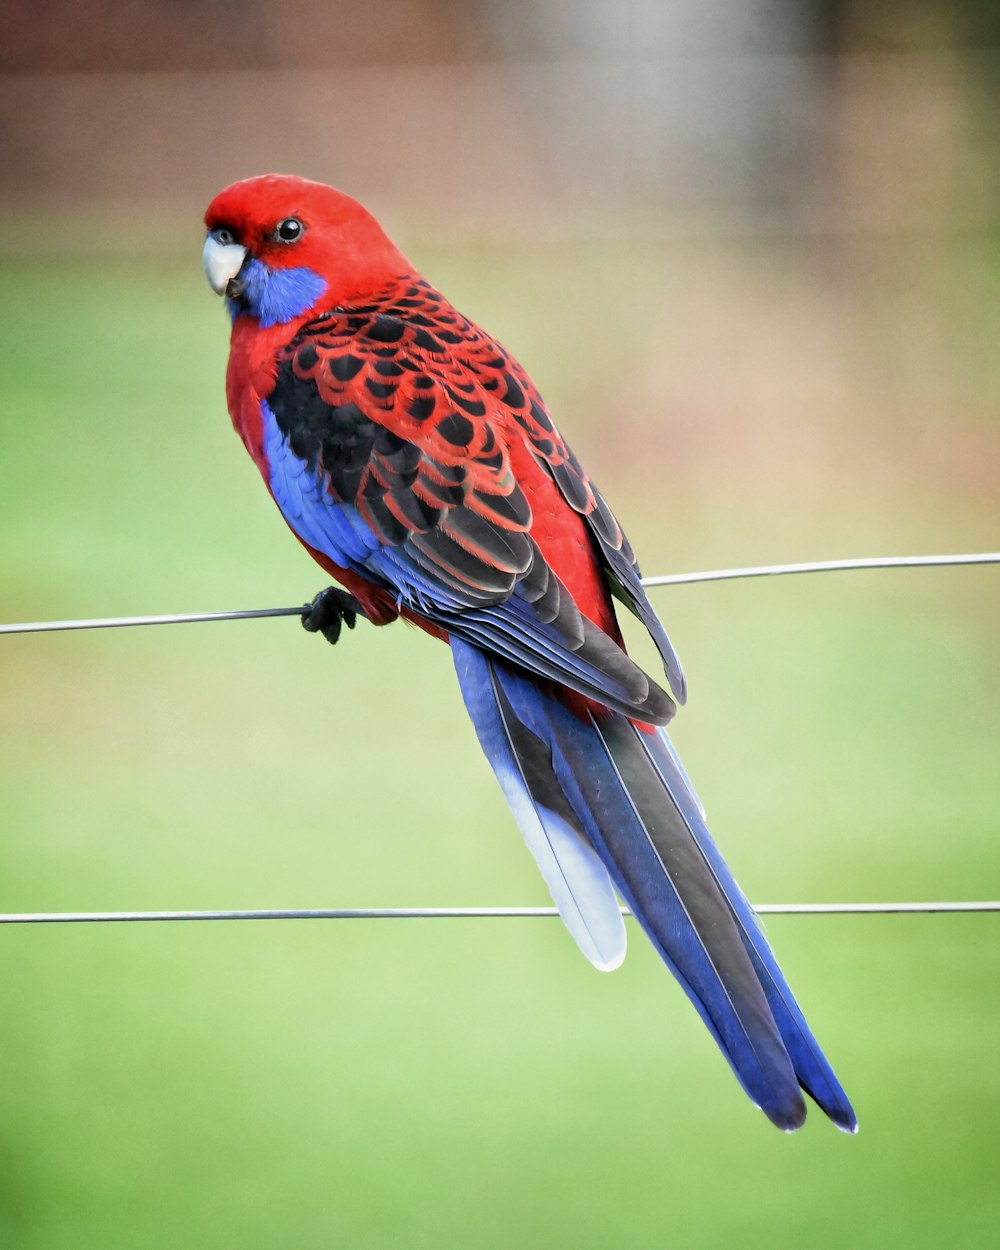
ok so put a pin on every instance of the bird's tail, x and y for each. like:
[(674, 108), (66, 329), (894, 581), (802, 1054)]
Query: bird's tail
[(606, 806)]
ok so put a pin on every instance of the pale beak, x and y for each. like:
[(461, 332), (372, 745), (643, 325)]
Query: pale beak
[(222, 262)]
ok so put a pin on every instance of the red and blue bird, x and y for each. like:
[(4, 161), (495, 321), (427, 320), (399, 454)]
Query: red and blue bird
[(415, 460)]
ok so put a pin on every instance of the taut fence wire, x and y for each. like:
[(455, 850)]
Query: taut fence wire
[(444, 913), (666, 579)]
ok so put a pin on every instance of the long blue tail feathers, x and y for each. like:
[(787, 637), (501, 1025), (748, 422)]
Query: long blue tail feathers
[(607, 807)]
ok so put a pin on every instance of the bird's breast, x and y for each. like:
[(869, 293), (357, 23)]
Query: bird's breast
[(250, 377)]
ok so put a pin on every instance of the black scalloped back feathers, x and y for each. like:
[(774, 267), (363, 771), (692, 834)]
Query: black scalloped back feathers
[(405, 410)]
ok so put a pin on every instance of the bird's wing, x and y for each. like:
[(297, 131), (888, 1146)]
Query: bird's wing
[(621, 569), (404, 444)]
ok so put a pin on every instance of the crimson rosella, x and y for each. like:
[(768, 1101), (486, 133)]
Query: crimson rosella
[(417, 463)]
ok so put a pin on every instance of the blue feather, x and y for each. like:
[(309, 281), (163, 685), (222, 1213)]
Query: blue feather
[(577, 879), (275, 296), (811, 1067)]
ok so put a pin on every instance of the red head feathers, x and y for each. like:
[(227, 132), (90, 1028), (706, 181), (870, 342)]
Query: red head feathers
[(289, 223)]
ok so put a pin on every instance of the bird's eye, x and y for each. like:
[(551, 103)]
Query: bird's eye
[(225, 236), (287, 230)]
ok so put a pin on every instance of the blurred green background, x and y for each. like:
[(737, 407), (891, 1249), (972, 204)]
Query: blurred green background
[(797, 375)]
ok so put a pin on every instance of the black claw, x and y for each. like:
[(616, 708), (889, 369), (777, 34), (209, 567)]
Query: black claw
[(329, 611)]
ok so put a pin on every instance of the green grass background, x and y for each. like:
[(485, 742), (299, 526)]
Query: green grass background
[(475, 1083)]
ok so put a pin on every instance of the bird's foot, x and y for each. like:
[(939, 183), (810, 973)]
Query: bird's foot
[(330, 611)]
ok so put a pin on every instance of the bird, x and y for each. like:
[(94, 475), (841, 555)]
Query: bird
[(416, 461)]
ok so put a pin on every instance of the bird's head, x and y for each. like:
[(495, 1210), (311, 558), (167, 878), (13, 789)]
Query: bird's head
[(281, 247)]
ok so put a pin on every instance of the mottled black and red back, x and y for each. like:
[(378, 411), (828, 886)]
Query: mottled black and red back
[(441, 441), (413, 409)]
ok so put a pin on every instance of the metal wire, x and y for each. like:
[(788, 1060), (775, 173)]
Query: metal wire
[(824, 566), (667, 579), (464, 913), (126, 622)]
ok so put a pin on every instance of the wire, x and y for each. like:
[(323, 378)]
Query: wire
[(824, 566), (464, 913), (667, 579), (126, 622)]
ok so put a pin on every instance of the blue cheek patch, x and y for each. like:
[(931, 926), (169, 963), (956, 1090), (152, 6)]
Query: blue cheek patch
[(274, 296)]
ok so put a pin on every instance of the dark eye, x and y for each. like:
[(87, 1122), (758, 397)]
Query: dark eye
[(288, 230), (224, 235)]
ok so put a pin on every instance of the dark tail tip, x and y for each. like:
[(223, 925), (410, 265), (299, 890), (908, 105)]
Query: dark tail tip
[(786, 1110)]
